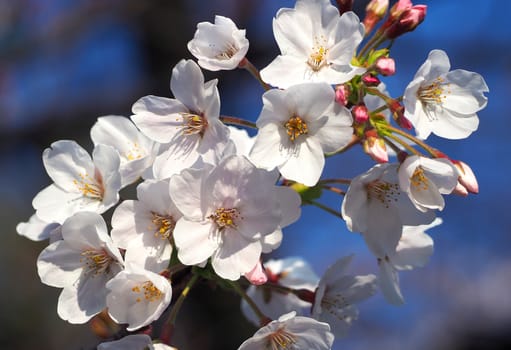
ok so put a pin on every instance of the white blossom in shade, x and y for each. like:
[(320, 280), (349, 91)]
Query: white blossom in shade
[(444, 102), (136, 151), (241, 140), (137, 297), (292, 272), (291, 332), (316, 44), (375, 206), (81, 263), (144, 227), (134, 342), (80, 183), (36, 229), (220, 45), (425, 180), (188, 124), (296, 126), (337, 294), (231, 214), (413, 250)]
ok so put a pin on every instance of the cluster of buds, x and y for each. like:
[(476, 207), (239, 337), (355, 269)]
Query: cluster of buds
[(212, 201)]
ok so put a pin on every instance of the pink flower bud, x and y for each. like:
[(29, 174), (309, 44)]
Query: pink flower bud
[(257, 276), (370, 80), (375, 147), (375, 11), (403, 122), (344, 6), (407, 22), (466, 177), (398, 8), (342, 94), (360, 113), (385, 66)]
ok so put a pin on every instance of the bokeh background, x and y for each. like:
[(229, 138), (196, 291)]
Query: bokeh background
[(63, 63)]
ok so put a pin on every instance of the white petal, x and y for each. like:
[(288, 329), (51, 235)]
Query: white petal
[(36, 229), (307, 165), (193, 241), (389, 283), (235, 256), (59, 265)]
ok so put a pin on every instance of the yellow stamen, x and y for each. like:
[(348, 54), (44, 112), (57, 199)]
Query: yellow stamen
[(224, 217), (281, 340), (97, 261), (383, 192), (419, 180), (90, 187), (295, 127), (151, 293), (194, 124), (163, 225)]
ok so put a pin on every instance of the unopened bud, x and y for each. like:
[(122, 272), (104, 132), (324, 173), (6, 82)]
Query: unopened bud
[(385, 66), (398, 8), (370, 80), (398, 111), (375, 10), (257, 276), (305, 295), (360, 113), (342, 94), (375, 147), (407, 22), (466, 177)]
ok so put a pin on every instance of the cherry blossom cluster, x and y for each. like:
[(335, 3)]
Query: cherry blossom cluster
[(211, 201)]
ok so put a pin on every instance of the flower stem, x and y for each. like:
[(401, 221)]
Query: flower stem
[(237, 121), (246, 64), (324, 207), (263, 319), (402, 143), (336, 181), (427, 148), (334, 189)]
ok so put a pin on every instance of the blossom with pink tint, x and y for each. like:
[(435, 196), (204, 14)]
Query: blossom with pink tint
[(375, 11), (467, 181), (342, 94), (360, 113), (408, 21), (386, 66), (257, 276), (375, 147)]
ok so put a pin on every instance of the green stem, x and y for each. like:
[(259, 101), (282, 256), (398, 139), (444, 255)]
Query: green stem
[(246, 64), (373, 43), (354, 140), (392, 145), (427, 148), (179, 302), (263, 319), (402, 143), (237, 121), (324, 207)]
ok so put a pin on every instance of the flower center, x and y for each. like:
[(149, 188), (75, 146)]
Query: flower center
[(434, 93), (91, 187), (317, 59), (280, 340), (227, 54), (164, 225), (295, 127), (383, 192), (224, 217), (97, 261), (194, 124), (151, 293), (134, 153), (419, 180)]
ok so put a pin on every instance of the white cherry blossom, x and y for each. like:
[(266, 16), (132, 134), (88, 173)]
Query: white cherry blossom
[(377, 207), (231, 213), (425, 180), (81, 263), (444, 102), (292, 272), (137, 297), (80, 183), (291, 332), (36, 229), (134, 342), (144, 227), (413, 250), (136, 151), (219, 45), (189, 125), (337, 294), (316, 44), (296, 127)]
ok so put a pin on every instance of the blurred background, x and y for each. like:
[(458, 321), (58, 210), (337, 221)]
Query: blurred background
[(63, 63)]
